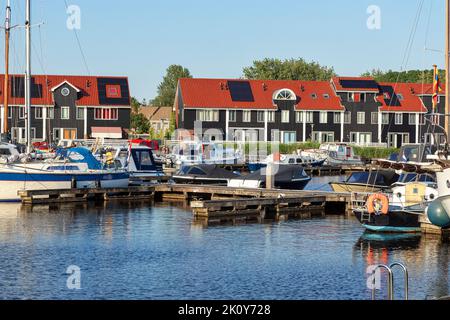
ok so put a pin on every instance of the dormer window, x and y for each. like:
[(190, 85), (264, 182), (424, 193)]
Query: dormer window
[(326, 96), (285, 94)]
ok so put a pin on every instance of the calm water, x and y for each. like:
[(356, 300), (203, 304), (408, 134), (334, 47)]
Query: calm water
[(133, 251)]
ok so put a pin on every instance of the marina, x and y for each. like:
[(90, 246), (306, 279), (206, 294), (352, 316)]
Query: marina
[(287, 181)]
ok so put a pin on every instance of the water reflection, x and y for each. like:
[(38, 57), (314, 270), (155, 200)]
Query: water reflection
[(141, 251)]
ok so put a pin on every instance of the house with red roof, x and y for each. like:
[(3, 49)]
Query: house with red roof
[(357, 110), (68, 107)]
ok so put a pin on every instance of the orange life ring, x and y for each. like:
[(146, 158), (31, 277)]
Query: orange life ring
[(378, 204)]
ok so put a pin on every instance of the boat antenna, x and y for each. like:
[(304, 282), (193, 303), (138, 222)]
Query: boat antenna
[(28, 75)]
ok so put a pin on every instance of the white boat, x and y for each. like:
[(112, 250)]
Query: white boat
[(335, 154), (193, 152), (140, 163), (73, 168)]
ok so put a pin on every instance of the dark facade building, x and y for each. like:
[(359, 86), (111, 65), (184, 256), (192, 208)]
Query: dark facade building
[(345, 109), (68, 107)]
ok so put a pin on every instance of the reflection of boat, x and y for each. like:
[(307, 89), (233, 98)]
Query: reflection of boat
[(373, 181), (389, 241), (293, 159), (291, 177), (203, 174)]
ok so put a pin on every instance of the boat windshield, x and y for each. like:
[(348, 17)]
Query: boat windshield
[(407, 177), (367, 177)]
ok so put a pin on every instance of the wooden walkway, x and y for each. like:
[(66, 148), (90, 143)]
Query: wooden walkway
[(214, 203)]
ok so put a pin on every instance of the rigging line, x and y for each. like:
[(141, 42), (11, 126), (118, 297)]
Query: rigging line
[(405, 59), (79, 44)]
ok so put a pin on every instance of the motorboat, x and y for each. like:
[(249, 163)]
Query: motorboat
[(291, 177), (73, 168), (292, 159), (400, 210), (204, 174), (336, 154), (193, 152), (368, 181)]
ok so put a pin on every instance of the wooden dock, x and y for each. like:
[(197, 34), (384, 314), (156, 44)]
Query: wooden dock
[(32, 197), (428, 228), (215, 203)]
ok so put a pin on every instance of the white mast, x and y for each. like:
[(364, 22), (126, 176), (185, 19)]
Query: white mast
[(28, 76), (6, 82)]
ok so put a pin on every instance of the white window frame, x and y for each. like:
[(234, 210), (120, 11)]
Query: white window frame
[(374, 117), (80, 109), (21, 112), (260, 119), (351, 97), (412, 119), (359, 120), (385, 118), (247, 116), (363, 97), (270, 116), (398, 123), (68, 113), (284, 118), (232, 116), (50, 113), (323, 117), (36, 116), (337, 117), (347, 117)]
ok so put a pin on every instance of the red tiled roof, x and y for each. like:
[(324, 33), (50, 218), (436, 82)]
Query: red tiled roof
[(425, 89), (89, 91), (213, 93), (336, 81), (411, 102)]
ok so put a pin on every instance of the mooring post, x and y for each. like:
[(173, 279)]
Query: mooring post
[(269, 177)]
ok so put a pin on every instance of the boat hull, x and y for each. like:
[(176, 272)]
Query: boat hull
[(200, 181), (394, 222), (354, 187), (12, 183)]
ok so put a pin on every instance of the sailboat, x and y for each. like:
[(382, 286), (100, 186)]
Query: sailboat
[(74, 168), (401, 211)]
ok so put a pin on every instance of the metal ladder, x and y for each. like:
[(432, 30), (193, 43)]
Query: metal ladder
[(391, 279)]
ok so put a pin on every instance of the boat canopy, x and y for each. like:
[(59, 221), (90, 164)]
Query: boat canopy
[(380, 178), (285, 173), (207, 170), (80, 155)]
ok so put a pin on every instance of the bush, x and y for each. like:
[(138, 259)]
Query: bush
[(374, 153)]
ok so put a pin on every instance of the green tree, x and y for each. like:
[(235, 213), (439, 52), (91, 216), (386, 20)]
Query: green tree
[(289, 69), (168, 87), (140, 123), (135, 105), (410, 76)]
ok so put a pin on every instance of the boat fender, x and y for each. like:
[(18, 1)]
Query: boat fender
[(378, 204)]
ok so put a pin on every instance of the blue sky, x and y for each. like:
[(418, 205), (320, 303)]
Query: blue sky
[(141, 38)]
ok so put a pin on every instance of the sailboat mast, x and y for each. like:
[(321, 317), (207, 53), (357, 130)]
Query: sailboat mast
[(6, 83), (28, 75), (447, 68)]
